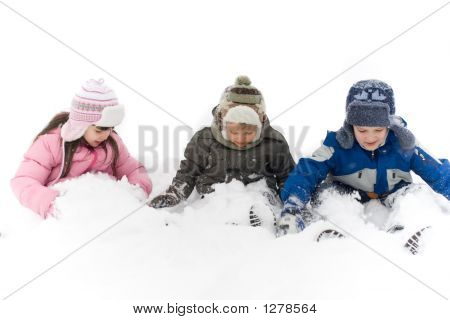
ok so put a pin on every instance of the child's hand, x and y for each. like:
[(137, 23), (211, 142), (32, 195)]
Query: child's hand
[(291, 222), (164, 200), (53, 212)]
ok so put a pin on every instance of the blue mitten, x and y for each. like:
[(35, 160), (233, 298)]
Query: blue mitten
[(291, 221)]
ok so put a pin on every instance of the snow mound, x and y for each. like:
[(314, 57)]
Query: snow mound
[(106, 243)]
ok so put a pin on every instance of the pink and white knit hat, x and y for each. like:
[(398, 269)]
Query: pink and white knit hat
[(94, 104)]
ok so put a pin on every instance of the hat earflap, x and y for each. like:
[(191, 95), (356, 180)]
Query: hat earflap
[(405, 137), (345, 136)]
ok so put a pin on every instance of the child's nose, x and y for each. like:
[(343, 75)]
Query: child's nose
[(241, 138)]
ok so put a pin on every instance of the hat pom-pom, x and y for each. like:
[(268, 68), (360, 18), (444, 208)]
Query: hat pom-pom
[(243, 80)]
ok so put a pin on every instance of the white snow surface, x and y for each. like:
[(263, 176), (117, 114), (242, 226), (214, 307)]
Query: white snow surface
[(195, 251)]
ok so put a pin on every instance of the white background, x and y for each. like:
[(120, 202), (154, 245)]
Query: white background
[(182, 54)]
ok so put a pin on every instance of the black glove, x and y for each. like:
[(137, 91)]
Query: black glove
[(164, 200)]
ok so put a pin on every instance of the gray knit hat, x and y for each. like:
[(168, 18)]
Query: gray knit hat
[(371, 103)]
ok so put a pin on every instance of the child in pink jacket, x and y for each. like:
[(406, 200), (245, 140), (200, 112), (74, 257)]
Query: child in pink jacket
[(75, 143)]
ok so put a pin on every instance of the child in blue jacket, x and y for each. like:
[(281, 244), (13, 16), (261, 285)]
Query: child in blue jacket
[(372, 154)]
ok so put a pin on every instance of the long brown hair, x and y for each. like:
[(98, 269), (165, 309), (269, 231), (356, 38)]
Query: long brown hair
[(71, 146)]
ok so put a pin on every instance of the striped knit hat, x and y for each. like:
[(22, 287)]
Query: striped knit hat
[(242, 93), (94, 104)]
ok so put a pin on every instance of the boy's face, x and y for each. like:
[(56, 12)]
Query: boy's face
[(240, 134), (94, 135), (370, 138)]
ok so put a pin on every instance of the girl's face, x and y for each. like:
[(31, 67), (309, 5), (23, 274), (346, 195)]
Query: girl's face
[(240, 134), (370, 138), (94, 135)]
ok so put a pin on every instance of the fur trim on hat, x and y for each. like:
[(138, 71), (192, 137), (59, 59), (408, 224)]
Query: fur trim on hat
[(73, 130), (242, 114), (368, 114), (111, 116), (345, 136), (405, 136)]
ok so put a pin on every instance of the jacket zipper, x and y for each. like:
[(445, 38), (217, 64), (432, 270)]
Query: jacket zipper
[(94, 160)]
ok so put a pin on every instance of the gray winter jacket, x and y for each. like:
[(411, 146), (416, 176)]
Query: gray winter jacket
[(210, 159)]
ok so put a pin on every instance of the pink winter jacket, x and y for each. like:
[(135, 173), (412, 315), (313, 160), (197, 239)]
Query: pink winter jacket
[(41, 168)]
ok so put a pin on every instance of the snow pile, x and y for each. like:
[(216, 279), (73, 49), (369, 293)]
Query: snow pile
[(196, 250)]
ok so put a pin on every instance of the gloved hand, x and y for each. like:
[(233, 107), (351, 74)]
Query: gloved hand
[(271, 198), (291, 221), (164, 200), (52, 212)]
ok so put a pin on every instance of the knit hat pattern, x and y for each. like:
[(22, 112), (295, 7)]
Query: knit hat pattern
[(370, 103), (94, 104)]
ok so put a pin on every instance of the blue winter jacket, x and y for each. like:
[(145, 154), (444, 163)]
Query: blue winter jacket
[(382, 172)]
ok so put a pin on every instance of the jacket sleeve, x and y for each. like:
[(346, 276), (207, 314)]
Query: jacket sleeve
[(29, 183), (436, 173), (196, 159), (306, 176), (285, 164), (131, 168)]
